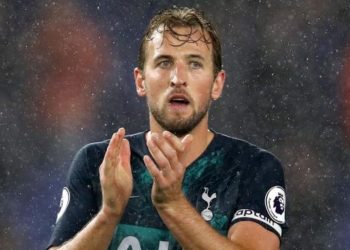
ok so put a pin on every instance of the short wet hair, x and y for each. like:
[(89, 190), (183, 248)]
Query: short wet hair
[(168, 19)]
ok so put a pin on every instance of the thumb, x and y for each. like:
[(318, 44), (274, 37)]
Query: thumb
[(187, 140)]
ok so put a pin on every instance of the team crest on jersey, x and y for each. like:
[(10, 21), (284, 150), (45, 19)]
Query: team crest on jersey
[(275, 202), (64, 202), (206, 213)]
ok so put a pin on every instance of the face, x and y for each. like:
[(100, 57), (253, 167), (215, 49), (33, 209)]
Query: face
[(178, 81)]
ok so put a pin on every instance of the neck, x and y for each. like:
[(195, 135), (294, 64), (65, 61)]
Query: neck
[(202, 136)]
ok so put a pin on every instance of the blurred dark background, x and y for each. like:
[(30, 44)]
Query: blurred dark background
[(66, 80)]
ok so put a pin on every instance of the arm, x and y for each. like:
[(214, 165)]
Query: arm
[(116, 185), (181, 218), (193, 232), (96, 235)]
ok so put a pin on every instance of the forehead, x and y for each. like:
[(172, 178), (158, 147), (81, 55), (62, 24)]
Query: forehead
[(176, 39)]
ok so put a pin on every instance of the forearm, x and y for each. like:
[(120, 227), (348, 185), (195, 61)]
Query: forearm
[(190, 230), (97, 234)]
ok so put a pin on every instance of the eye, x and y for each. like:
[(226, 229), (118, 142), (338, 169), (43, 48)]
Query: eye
[(165, 64), (196, 65)]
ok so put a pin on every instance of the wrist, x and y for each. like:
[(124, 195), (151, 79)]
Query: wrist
[(107, 216), (176, 204)]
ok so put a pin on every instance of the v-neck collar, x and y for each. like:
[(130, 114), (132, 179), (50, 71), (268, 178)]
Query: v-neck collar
[(212, 144)]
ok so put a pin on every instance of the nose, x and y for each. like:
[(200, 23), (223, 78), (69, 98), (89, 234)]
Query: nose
[(178, 76)]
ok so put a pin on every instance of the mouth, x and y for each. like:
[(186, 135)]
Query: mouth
[(179, 100)]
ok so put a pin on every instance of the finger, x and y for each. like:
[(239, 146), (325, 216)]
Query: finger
[(106, 165), (114, 143), (112, 151), (152, 168), (169, 152), (157, 154), (125, 154), (174, 140), (117, 141)]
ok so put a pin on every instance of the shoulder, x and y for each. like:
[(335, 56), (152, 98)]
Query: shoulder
[(92, 152), (243, 147), (247, 154), (95, 147), (89, 157), (96, 150), (235, 143), (87, 160)]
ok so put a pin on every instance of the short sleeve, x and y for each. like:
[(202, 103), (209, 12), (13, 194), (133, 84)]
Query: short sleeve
[(262, 196), (77, 205)]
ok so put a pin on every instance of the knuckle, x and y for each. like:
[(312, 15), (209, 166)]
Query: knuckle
[(149, 143), (108, 155), (172, 154), (108, 161), (102, 178), (163, 162), (180, 168), (113, 137), (109, 152)]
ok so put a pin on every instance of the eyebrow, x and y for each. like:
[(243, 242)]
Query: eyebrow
[(195, 56), (191, 56), (159, 57)]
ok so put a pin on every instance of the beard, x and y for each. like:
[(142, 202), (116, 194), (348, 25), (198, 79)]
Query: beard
[(179, 126)]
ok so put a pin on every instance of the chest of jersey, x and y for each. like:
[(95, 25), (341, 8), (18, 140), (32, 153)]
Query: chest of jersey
[(207, 185)]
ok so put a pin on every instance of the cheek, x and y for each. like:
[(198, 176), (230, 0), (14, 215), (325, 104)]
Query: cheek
[(154, 90), (154, 81), (202, 91), (202, 82), (157, 79), (203, 95)]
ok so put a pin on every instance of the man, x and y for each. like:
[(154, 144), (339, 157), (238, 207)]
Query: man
[(180, 184)]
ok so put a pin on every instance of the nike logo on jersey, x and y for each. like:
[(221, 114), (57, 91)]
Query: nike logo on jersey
[(134, 196)]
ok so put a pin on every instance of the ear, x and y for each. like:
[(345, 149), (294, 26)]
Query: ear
[(139, 82), (218, 85)]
